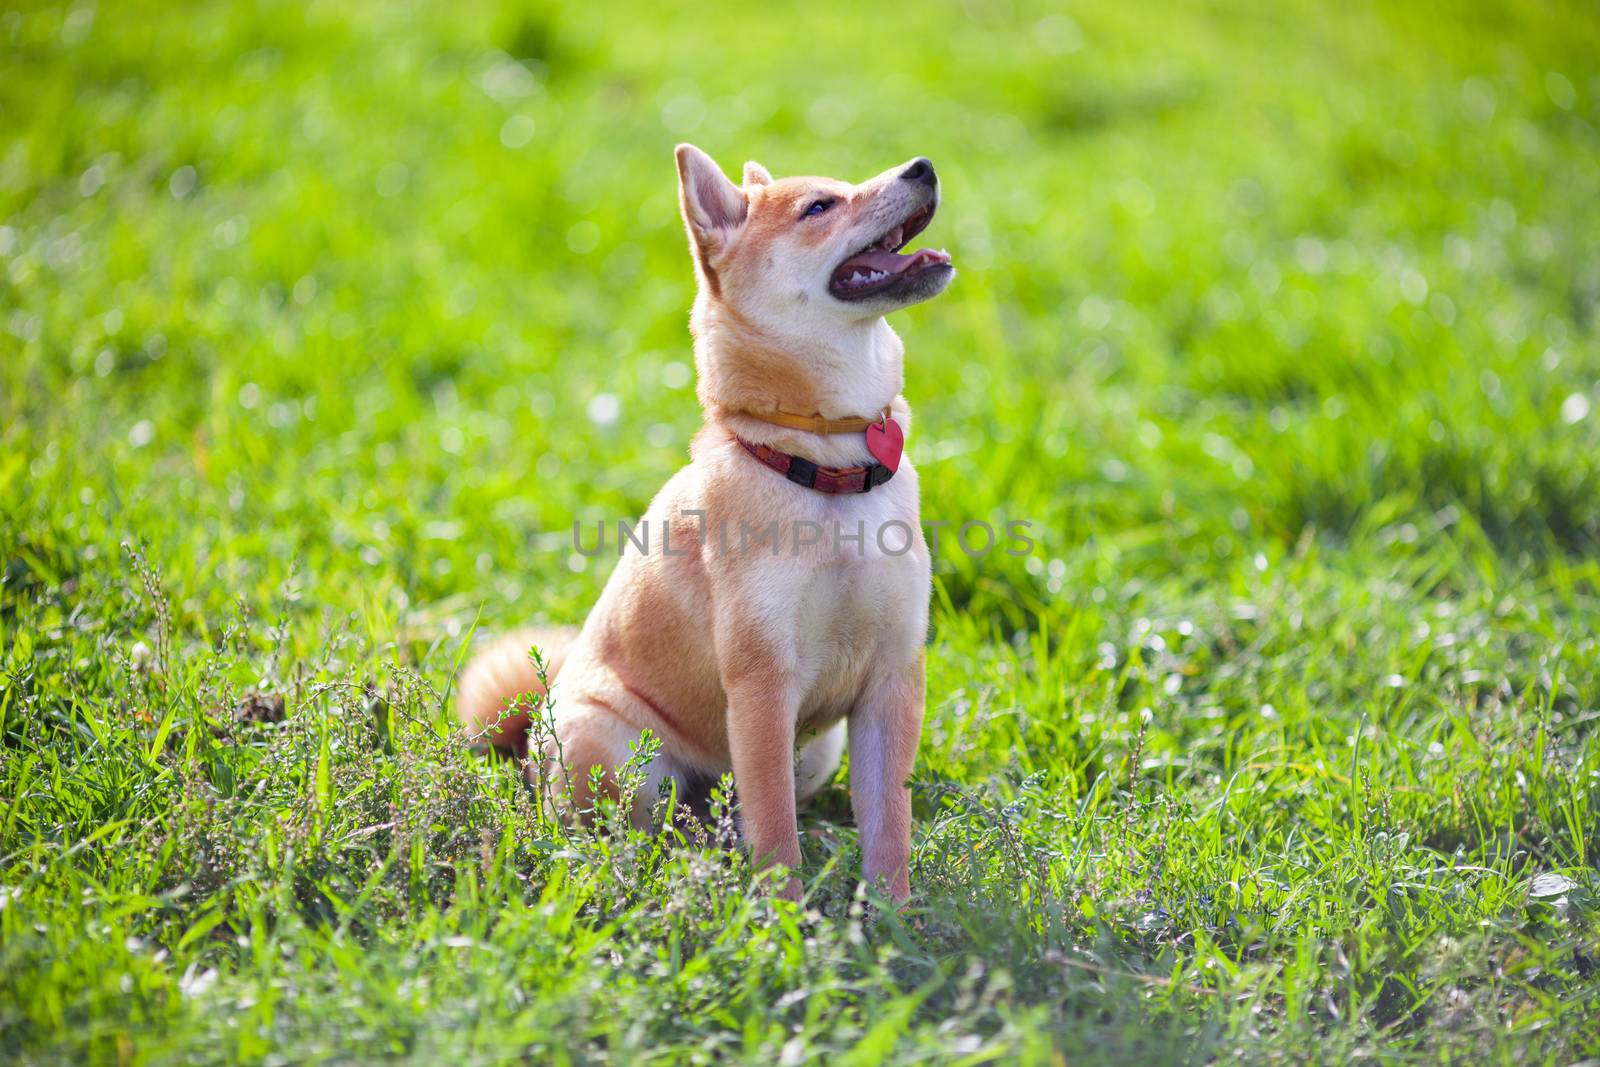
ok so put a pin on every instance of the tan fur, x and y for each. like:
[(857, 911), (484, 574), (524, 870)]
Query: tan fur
[(503, 672), (746, 661)]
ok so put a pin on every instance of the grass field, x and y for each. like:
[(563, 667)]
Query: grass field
[(321, 323)]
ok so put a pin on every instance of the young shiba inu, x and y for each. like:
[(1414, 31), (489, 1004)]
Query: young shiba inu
[(784, 598)]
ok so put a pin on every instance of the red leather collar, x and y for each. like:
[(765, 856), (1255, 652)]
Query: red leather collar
[(802, 471)]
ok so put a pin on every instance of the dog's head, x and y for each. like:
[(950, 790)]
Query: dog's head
[(784, 253)]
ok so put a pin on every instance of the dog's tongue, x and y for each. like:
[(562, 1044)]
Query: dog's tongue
[(892, 262)]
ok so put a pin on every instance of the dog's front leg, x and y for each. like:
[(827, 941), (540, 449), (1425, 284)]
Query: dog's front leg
[(761, 728), (884, 731)]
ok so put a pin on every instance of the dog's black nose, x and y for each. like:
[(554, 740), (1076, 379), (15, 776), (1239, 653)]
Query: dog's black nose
[(921, 170)]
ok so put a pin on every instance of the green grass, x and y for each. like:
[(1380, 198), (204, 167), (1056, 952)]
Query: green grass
[(1277, 321)]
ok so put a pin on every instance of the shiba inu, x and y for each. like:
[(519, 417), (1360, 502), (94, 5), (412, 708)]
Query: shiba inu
[(757, 654)]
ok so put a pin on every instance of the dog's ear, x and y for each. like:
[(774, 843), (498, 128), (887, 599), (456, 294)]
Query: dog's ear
[(756, 174), (713, 207)]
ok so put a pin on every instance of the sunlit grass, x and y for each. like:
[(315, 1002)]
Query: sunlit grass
[(320, 325)]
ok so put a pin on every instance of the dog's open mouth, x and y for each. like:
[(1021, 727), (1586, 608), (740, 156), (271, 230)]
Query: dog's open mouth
[(880, 266)]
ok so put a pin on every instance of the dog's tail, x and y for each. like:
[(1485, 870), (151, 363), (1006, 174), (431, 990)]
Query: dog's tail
[(504, 672)]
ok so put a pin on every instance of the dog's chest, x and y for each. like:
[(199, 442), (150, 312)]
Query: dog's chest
[(862, 604)]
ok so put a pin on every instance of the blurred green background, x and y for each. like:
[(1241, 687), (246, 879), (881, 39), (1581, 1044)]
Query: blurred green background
[(1277, 321)]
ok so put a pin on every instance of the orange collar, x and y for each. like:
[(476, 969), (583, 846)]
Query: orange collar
[(818, 424)]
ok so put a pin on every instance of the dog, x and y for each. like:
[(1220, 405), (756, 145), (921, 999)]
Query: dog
[(751, 654)]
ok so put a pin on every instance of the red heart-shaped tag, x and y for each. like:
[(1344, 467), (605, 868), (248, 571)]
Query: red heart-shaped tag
[(886, 442)]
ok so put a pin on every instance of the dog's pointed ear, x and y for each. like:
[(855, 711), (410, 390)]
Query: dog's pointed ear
[(756, 174), (713, 207)]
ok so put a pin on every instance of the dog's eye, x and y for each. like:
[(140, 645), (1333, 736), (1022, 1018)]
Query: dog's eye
[(818, 207)]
